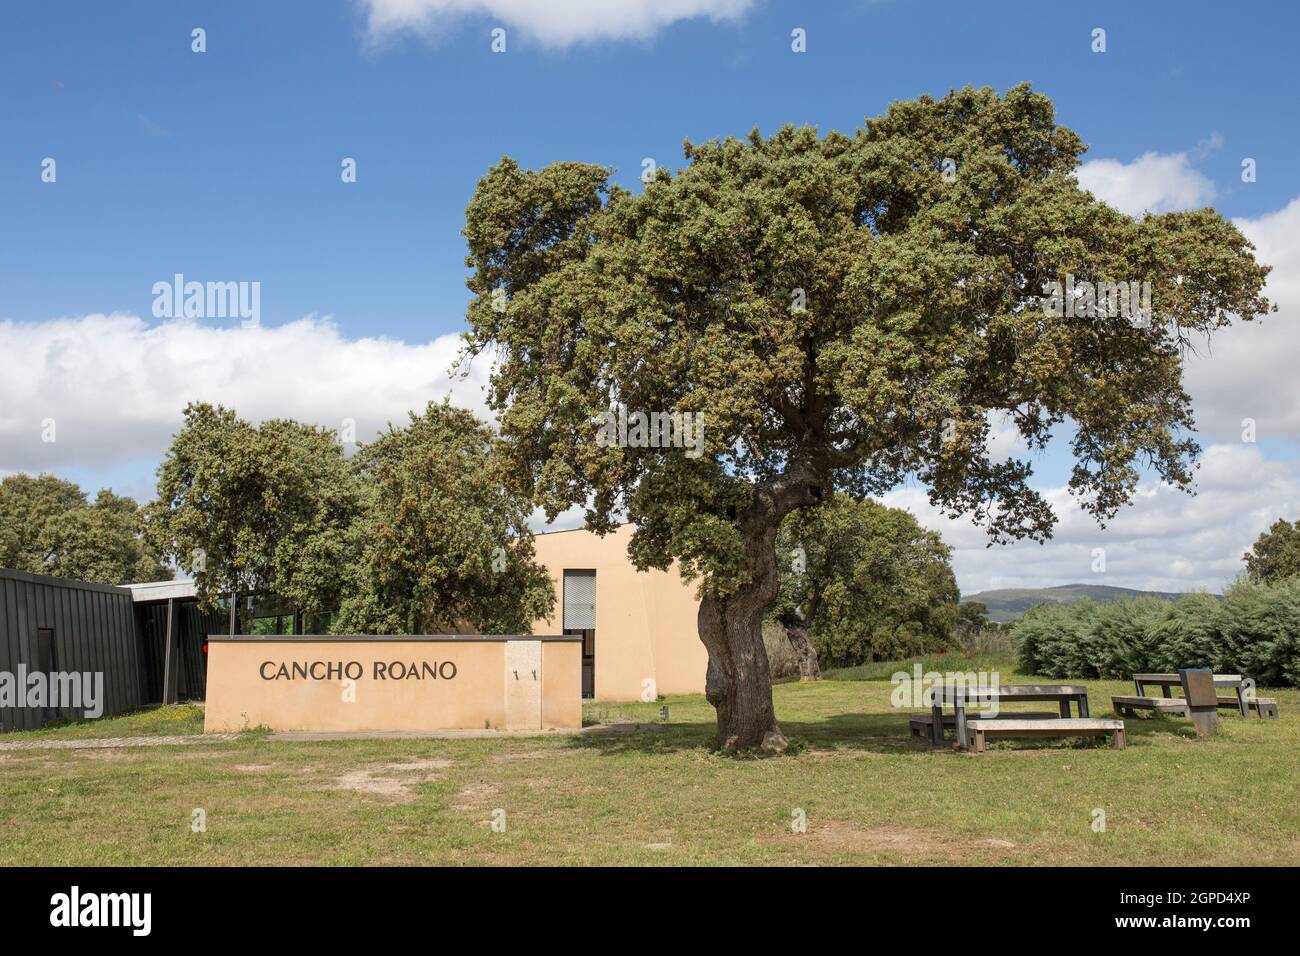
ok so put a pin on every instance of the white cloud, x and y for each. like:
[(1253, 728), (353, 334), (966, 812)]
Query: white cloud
[(115, 386), (1209, 146), (1166, 541), (1154, 182), (1249, 370), (555, 23)]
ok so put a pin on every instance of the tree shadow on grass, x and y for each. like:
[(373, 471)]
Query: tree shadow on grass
[(848, 734), (838, 733)]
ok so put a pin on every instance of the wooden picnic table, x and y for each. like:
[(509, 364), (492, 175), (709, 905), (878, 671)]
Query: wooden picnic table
[(958, 697), (1166, 682)]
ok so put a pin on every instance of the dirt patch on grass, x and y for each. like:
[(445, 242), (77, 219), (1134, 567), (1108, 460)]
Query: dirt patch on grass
[(252, 767), (393, 781), (362, 781), (903, 844)]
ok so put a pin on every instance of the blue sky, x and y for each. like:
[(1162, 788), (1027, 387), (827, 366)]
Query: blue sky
[(225, 165)]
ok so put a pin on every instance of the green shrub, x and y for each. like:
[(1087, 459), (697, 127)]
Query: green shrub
[(1052, 639), (1121, 641), (1258, 632), (1187, 634), (1254, 630)]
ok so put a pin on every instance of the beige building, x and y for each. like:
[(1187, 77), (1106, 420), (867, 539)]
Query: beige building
[(638, 628)]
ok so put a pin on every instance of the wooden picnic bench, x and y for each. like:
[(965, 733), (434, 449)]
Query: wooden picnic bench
[(958, 697), (981, 729), (1265, 707)]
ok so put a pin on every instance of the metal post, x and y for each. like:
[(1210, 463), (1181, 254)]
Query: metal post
[(171, 658)]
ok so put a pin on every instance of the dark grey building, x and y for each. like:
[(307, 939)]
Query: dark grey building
[(125, 647), (54, 625)]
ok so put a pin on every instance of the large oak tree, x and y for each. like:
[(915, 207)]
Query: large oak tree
[(845, 311)]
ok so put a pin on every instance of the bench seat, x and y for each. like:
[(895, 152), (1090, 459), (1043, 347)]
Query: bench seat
[(980, 730), (1265, 707), (1165, 705), (920, 724)]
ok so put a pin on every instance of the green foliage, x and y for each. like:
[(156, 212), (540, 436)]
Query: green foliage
[(1050, 640), (1259, 631), (829, 302), (1254, 630), (999, 660), (874, 584), (1276, 554), (972, 615), (989, 639), (1187, 635), (1120, 639), (443, 547), (255, 508), (400, 539), (48, 527)]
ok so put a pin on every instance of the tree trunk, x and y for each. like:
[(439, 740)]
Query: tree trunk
[(809, 668), (739, 679)]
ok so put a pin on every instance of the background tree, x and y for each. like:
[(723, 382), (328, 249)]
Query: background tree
[(442, 546), (846, 311), (875, 584), (972, 617), (414, 534), (48, 527), (1275, 555), (250, 509)]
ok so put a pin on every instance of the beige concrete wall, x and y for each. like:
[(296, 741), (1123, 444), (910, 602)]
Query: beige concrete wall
[(645, 622), (464, 684), (561, 684)]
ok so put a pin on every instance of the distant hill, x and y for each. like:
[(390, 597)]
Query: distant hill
[(1008, 604)]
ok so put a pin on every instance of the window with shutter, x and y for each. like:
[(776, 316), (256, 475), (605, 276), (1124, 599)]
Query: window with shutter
[(579, 599)]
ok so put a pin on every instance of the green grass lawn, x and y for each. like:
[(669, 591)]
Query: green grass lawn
[(151, 722), (870, 793)]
